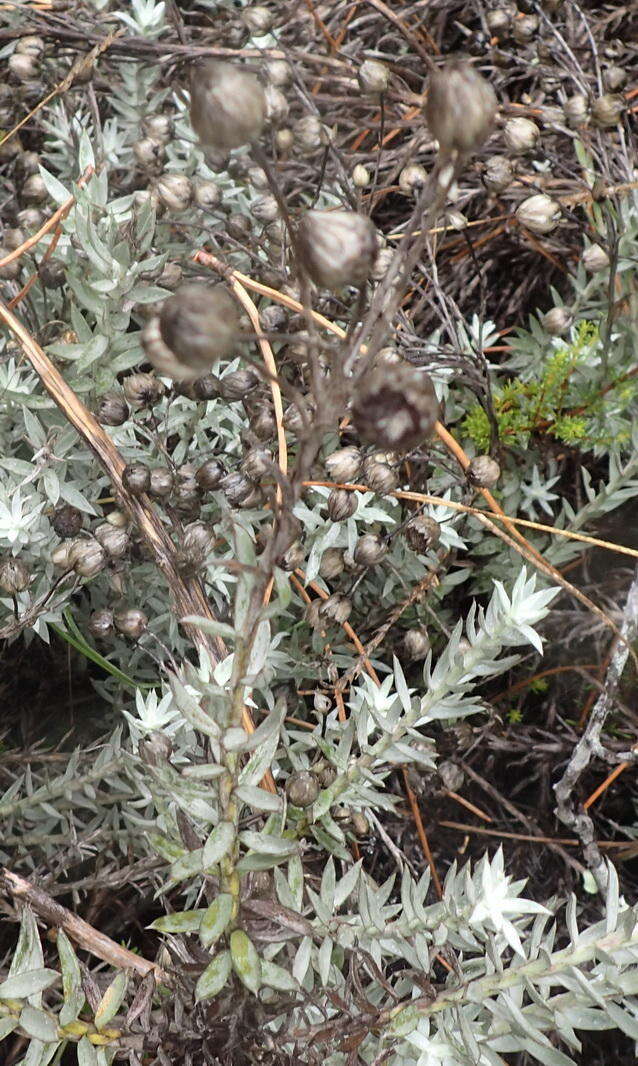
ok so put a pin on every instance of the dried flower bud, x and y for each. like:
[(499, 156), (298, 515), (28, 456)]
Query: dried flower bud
[(422, 533), (460, 107), (142, 390), (206, 387), (520, 134), (455, 220), (412, 179), (341, 504), (115, 542), (100, 624), (30, 45), (277, 106), (67, 520), (117, 518), (395, 407), (258, 463), (183, 319), (360, 176), (161, 482), (228, 107), (210, 475), (238, 383), (158, 127), (557, 321), (310, 133), (302, 789), (238, 226), (284, 140), (149, 153), (416, 644), (10, 271), (155, 749), (236, 488), (615, 78), (379, 476), (195, 547), (373, 77), (87, 557), (498, 173), (525, 28), (343, 465), (293, 557), (14, 576), (34, 190), (13, 238), (337, 248), (263, 424), (594, 258), (207, 195), (279, 73), (498, 21), (483, 472), (186, 492), (331, 564), (337, 608), (370, 549), (539, 213), (258, 19), (130, 622), (136, 477), (60, 556), (576, 110), (52, 273), (112, 409), (607, 110), (175, 191), (30, 218), (23, 66)]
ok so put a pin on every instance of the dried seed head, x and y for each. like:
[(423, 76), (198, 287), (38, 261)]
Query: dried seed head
[(455, 220), (277, 106), (162, 482), (130, 622), (14, 576), (498, 173), (422, 533), (520, 135), (337, 608), (142, 390), (87, 557), (416, 643), (576, 110), (175, 191), (594, 259), (117, 519), (607, 110), (395, 407), (115, 542), (557, 321), (30, 45), (30, 218), (373, 77), (279, 73), (236, 488), (257, 19), (293, 557), (60, 556), (228, 107), (10, 271), (155, 749), (337, 248), (343, 465), (34, 190), (310, 133), (237, 384), (379, 476), (498, 21), (158, 127), (331, 564), (615, 78), (360, 176), (539, 213), (483, 472), (264, 209), (67, 520), (52, 273), (210, 475), (136, 477), (412, 179), (23, 66), (197, 325), (100, 624), (186, 493), (460, 107), (149, 153), (195, 547), (258, 463), (302, 788), (341, 504), (207, 195), (525, 29), (370, 549), (284, 140), (112, 409), (206, 387)]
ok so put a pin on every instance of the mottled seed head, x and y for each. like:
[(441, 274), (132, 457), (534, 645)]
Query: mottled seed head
[(228, 107), (14, 576), (395, 407), (302, 788), (422, 533), (483, 472), (337, 248), (460, 107), (67, 520)]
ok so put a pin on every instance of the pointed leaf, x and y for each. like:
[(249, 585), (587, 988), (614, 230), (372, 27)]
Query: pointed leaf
[(246, 961), (214, 977)]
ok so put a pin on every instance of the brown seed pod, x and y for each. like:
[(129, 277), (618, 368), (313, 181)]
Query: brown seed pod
[(210, 475), (136, 477), (416, 643), (112, 409), (483, 472), (395, 407), (337, 608), (142, 390), (14, 576), (341, 504), (370, 549), (344, 464), (498, 173), (87, 557), (162, 482), (100, 624), (373, 77), (293, 557), (237, 384), (198, 324), (237, 488), (67, 520), (130, 622), (115, 542), (207, 387), (336, 248), (460, 107), (422, 533), (331, 564), (302, 788), (228, 106)]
